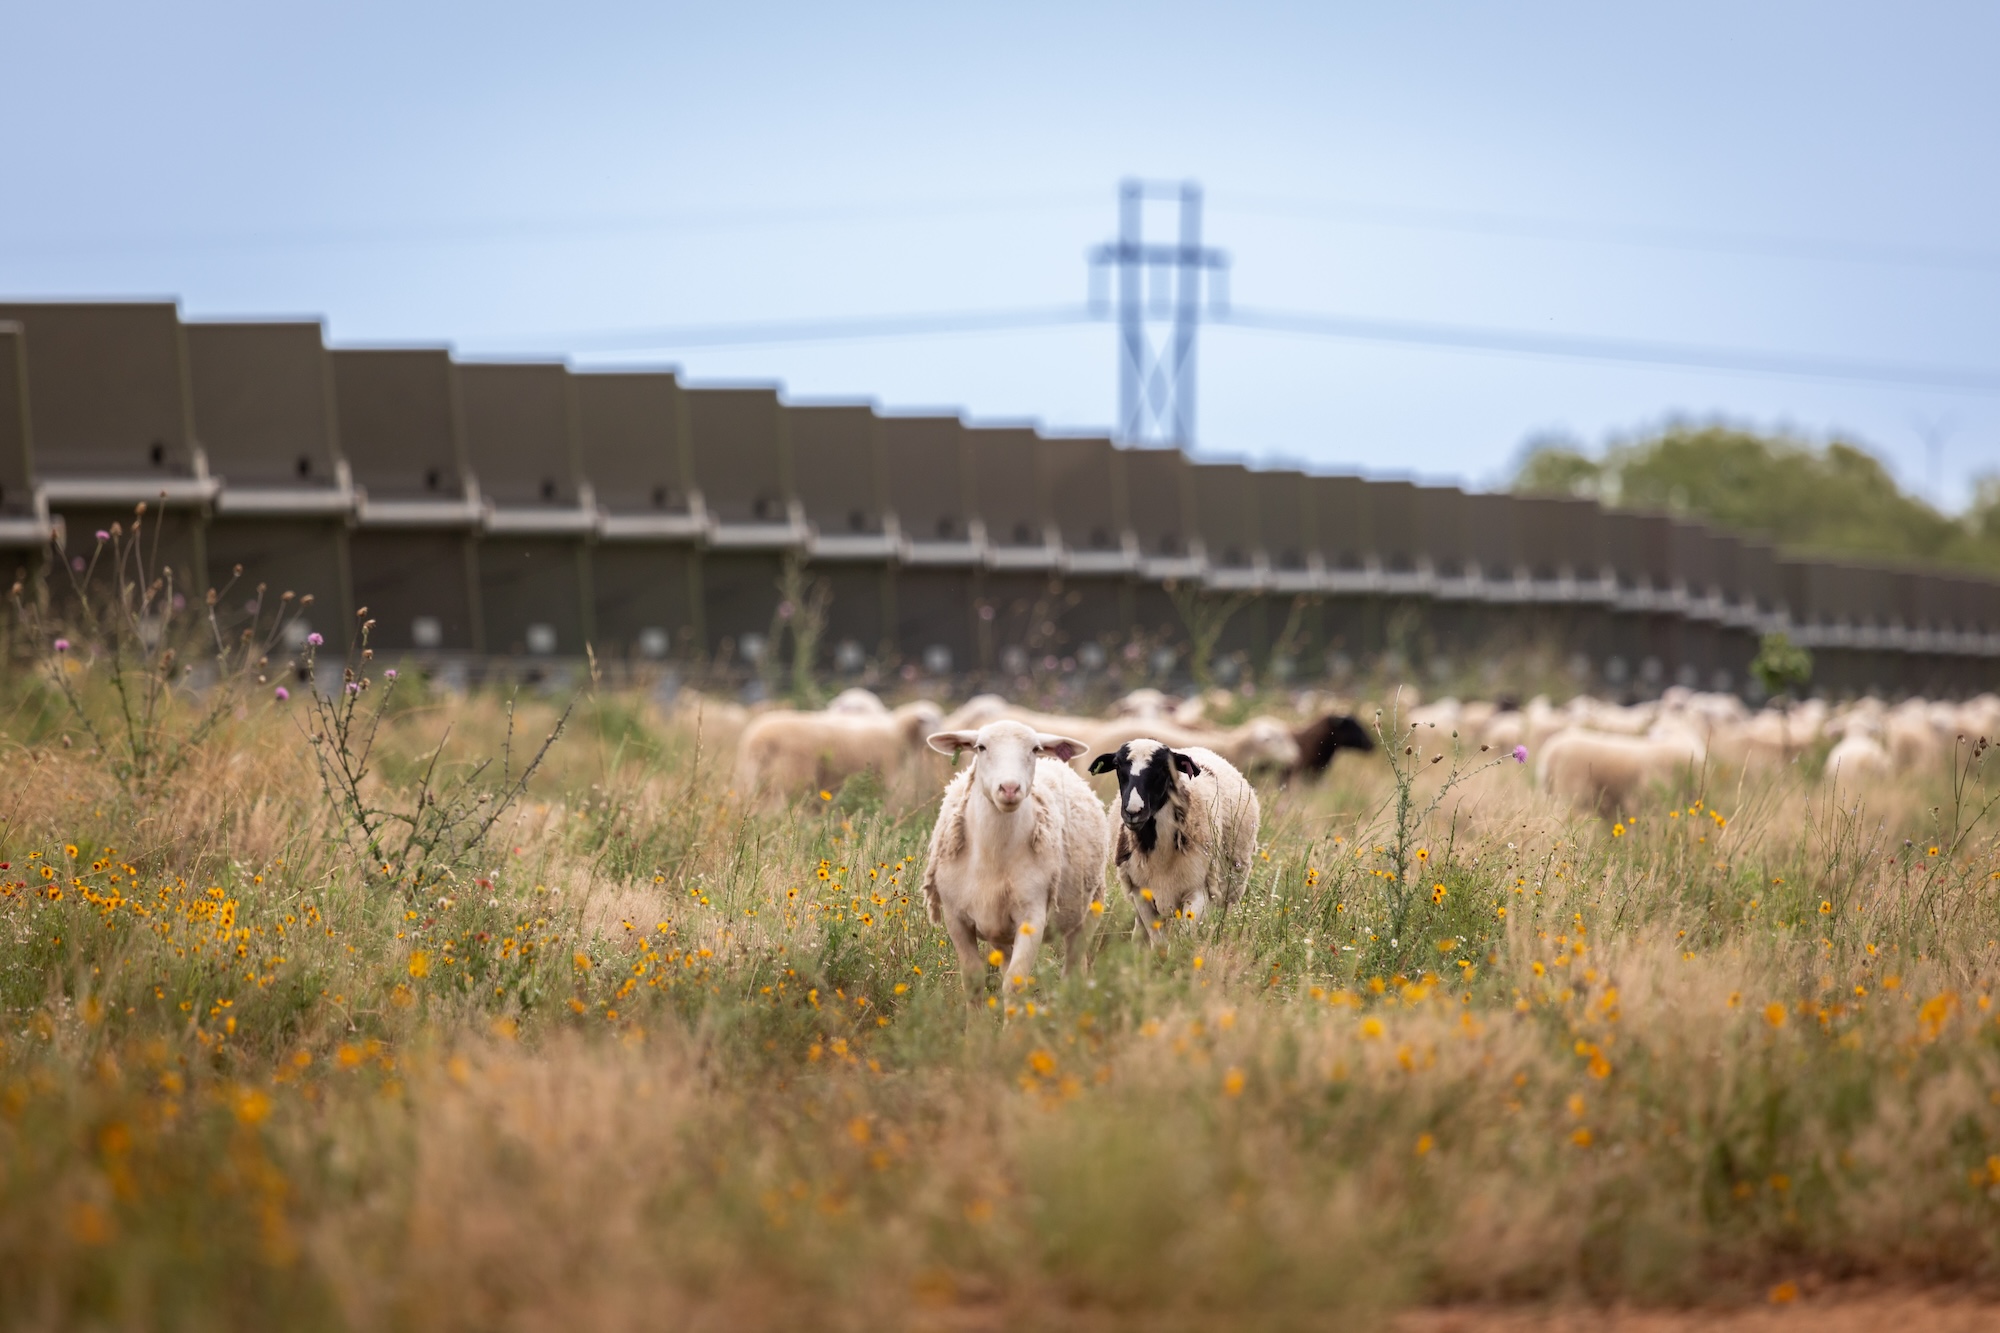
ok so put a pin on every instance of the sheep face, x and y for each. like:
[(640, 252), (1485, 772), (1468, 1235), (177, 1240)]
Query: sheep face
[(1149, 774), (1318, 740), (1003, 758)]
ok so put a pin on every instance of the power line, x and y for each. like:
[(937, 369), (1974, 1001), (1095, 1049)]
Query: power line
[(1349, 328), (1585, 347), (1697, 240), (465, 231), (767, 333)]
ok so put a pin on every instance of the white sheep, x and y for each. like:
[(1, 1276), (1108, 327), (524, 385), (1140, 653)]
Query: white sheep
[(859, 701), (1262, 742), (1858, 756), (1018, 850), (1146, 702), (1595, 770), (1187, 833), (1910, 736), (787, 754)]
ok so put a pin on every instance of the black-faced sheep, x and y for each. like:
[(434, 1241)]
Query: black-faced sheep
[(1187, 831)]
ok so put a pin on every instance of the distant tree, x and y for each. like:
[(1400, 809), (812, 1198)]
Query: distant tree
[(1831, 499), (1781, 666), (1555, 466), (1983, 519)]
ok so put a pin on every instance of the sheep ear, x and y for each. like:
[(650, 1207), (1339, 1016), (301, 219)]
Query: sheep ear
[(1058, 747), (951, 742), (1104, 763), (1186, 766)]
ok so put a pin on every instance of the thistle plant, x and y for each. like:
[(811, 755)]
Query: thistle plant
[(143, 675), (421, 836)]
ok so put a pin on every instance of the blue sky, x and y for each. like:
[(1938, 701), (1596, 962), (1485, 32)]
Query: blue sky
[(1814, 179)]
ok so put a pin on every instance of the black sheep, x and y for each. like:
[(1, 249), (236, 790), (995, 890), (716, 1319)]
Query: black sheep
[(1319, 739)]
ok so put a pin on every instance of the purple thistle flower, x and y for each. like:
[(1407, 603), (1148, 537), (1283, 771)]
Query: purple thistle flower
[(354, 687), (314, 640), (1520, 754), (103, 536), (390, 674), (282, 693), (76, 563), (62, 645)]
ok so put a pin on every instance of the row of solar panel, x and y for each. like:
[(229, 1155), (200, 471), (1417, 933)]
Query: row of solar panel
[(483, 507)]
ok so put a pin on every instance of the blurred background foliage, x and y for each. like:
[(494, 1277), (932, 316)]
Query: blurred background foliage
[(1834, 498)]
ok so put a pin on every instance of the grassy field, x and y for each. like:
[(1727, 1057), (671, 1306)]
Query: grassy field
[(639, 1058)]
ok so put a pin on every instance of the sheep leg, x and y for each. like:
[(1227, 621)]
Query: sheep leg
[(1076, 948), (1197, 906), (1148, 924), (971, 964), (1027, 946)]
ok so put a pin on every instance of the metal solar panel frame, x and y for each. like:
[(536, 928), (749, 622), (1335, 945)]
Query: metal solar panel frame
[(929, 479), (1225, 516), (533, 551), (1087, 504), (1010, 493), (1084, 479), (107, 399), (263, 412), (1158, 486), (741, 460), (264, 418), (1286, 532), (1402, 563), (1346, 551), (645, 582), (412, 561), (838, 468), (24, 513), (632, 435)]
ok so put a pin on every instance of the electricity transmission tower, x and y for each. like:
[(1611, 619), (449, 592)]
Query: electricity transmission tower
[(1158, 282)]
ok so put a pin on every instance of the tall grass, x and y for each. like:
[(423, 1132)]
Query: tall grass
[(644, 1057)]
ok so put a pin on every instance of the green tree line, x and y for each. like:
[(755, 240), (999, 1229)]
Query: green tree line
[(1822, 499)]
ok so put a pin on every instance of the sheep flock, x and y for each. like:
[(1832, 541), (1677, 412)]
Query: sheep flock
[(1022, 842)]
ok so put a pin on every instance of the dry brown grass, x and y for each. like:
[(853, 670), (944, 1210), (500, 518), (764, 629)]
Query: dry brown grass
[(718, 1090)]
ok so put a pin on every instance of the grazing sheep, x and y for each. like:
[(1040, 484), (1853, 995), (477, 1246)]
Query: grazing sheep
[(1597, 771), (1147, 703), (1018, 850), (1187, 833), (1858, 756), (1911, 739), (1442, 714), (1320, 739), (976, 712), (785, 754), (1194, 713), (865, 703), (1262, 743)]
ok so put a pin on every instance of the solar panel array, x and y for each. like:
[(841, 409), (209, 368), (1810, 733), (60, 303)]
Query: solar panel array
[(523, 510)]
